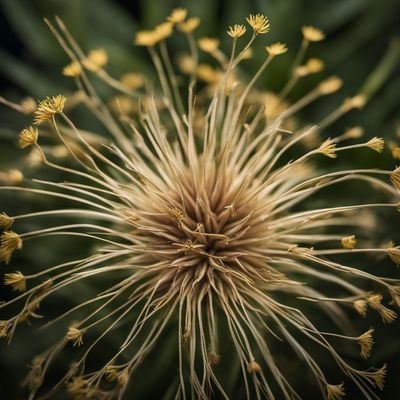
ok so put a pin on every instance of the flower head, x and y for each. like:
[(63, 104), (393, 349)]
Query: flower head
[(206, 227), (95, 60), (177, 15), (9, 242), (49, 107), (28, 137), (73, 69), (312, 34), (236, 31), (16, 280), (276, 49), (259, 23), (189, 25)]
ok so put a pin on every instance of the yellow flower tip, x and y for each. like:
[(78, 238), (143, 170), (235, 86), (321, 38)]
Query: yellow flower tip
[(395, 178), (330, 85), (357, 101), (189, 25), (236, 31), (366, 342), (16, 280), (207, 44), (146, 38), (379, 376), (9, 242), (5, 327), (48, 107), (395, 150), (328, 148), (354, 133), (213, 357), (28, 136), (186, 64), (111, 373), (75, 335), (394, 254), (175, 213), (259, 23), (72, 70), (314, 65), (361, 307), (132, 80), (349, 242), (177, 15), (276, 49), (312, 34), (335, 392), (28, 105), (163, 30), (388, 316), (95, 60), (5, 222), (12, 177), (254, 367), (377, 144)]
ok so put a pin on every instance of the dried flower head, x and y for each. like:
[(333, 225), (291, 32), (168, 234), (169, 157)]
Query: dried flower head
[(204, 228), (328, 148), (16, 280), (6, 222), (28, 137), (49, 107), (75, 335), (335, 392), (259, 23), (177, 15), (189, 25), (236, 31), (209, 45), (95, 60), (9, 242), (276, 49), (312, 34), (146, 38), (377, 144), (73, 69), (349, 242), (330, 85), (366, 342)]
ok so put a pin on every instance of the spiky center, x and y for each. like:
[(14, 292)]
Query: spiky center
[(205, 228)]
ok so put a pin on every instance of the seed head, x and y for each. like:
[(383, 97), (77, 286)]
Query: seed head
[(75, 335), (95, 60), (6, 222), (328, 148), (312, 34), (189, 25), (330, 85), (73, 69), (366, 342), (49, 107), (209, 45), (259, 23), (16, 280), (335, 392), (177, 15), (276, 49), (28, 137), (349, 242), (236, 31), (9, 242)]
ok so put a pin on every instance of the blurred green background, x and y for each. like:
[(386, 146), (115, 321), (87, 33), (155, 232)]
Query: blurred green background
[(362, 47)]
